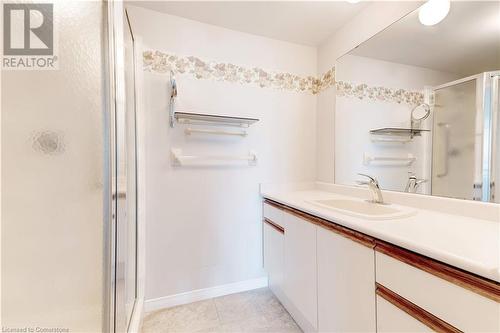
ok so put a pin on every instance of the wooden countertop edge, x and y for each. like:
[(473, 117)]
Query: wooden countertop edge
[(462, 278), (415, 311), (475, 283), (339, 229)]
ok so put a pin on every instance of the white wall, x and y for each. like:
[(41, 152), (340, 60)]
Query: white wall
[(355, 117), (373, 19), (204, 224)]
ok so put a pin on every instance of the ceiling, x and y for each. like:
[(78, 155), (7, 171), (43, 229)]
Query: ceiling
[(466, 42), (302, 22)]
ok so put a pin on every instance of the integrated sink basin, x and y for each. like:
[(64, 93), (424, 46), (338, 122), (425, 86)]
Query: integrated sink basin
[(365, 209)]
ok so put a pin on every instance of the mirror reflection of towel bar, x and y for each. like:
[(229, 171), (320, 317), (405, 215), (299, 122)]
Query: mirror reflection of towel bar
[(388, 160)]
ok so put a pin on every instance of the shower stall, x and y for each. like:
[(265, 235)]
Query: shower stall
[(69, 179), (465, 142)]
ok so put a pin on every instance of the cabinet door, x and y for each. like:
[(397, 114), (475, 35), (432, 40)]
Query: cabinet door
[(346, 284), (300, 272), (273, 258), (392, 319)]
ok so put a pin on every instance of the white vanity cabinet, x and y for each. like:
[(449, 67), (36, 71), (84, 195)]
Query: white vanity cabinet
[(346, 280), (273, 239), (273, 257), (391, 319), (334, 279), (443, 297), (323, 278), (290, 261), (300, 272)]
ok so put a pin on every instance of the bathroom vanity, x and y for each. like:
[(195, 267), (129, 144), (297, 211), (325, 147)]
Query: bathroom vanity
[(337, 271)]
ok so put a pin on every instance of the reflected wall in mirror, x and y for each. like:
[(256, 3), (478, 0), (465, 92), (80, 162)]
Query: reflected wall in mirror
[(417, 106)]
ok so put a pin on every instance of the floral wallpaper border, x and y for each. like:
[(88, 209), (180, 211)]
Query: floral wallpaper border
[(159, 62), (362, 91)]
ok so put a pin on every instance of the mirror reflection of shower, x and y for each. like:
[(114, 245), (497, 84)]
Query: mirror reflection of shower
[(463, 130)]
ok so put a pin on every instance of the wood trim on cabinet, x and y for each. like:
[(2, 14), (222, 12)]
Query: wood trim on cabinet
[(415, 311), (336, 228), (464, 279), (480, 285), (274, 225)]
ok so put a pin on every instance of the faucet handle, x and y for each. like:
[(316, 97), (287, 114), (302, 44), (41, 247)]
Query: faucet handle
[(372, 179)]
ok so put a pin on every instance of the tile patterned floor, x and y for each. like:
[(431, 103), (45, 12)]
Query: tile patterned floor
[(253, 311)]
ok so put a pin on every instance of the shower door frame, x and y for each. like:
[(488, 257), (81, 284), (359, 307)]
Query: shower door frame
[(110, 183), (116, 17), (490, 133), (487, 84)]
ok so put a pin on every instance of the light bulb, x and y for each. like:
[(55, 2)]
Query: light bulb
[(433, 11)]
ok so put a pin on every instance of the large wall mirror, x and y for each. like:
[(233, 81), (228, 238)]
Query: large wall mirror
[(417, 106)]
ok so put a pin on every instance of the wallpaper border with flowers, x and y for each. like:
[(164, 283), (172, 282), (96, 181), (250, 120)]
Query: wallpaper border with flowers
[(160, 62)]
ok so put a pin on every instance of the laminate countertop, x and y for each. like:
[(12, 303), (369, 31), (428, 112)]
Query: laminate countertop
[(469, 243)]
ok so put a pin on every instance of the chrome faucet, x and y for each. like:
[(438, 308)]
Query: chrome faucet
[(374, 188), (413, 183)]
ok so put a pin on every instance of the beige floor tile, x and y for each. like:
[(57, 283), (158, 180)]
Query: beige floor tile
[(255, 324), (183, 318), (256, 311), (236, 307), (282, 323), (268, 303)]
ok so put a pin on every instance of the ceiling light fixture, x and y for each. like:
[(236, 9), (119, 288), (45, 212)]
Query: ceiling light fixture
[(433, 11), (353, 1)]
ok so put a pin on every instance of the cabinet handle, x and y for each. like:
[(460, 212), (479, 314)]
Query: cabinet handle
[(415, 311), (275, 226)]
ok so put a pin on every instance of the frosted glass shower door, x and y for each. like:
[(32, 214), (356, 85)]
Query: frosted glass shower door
[(456, 156), (55, 181)]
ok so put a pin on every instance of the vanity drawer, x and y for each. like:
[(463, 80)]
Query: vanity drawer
[(457, 305), (390, 318), (273, 214)]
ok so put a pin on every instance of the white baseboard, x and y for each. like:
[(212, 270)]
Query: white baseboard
[(202, 294)]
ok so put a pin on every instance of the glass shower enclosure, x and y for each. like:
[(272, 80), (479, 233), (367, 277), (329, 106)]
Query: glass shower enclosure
[(465, 143), (68, 179)]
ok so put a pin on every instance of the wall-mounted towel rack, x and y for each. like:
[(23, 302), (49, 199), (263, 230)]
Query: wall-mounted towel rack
[(390, 139), (388, 160), (191, 130), (179, 159), (200, 118), (210, 119)]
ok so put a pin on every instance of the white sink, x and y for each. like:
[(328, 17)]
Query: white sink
[(365, 209)]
